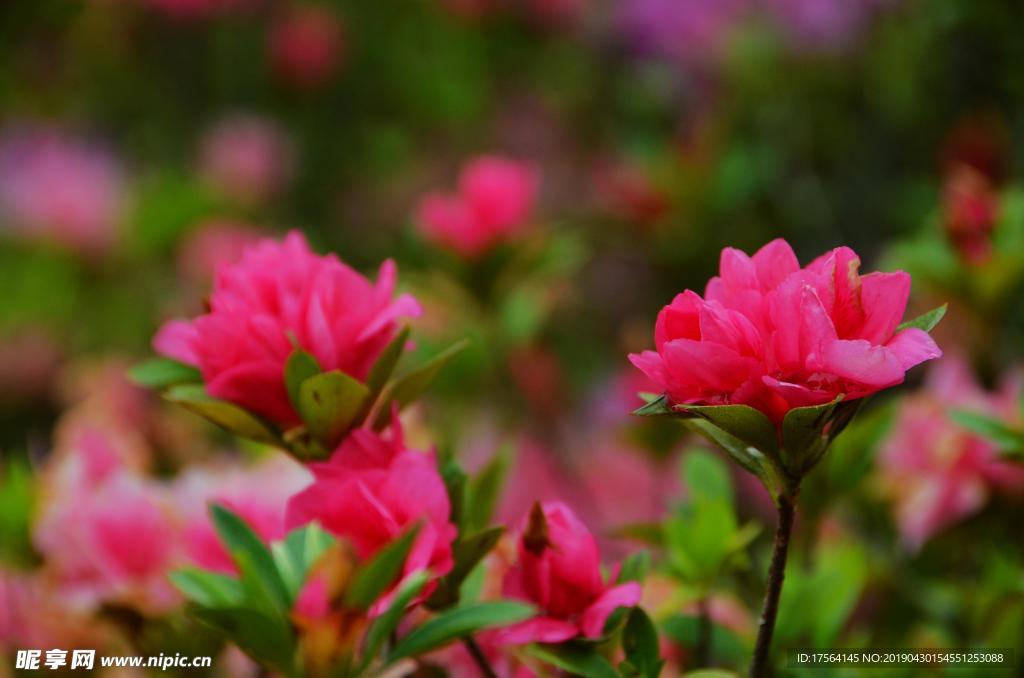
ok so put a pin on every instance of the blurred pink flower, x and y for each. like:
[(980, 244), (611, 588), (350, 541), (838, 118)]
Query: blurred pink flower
[(33, 614), (775, 336), (60, 189), (371, 491), (559, 570), (246, 158), (493, 205), (258, 494), (306, 44), (279, 292), (688, 33), (812, 25), (211, 245), (970, 205), (113, 542), (937, 472)]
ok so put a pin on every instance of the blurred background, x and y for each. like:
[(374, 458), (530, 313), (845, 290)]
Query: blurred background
[(145, 142)]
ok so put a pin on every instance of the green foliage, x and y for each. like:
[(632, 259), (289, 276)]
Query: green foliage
[(640, 645), (163, 372), (376, 576), (407, 388), (575, 658), (457, 623), (222, 413)]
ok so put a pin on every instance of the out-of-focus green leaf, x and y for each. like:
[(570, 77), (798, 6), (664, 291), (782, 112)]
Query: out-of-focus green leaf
[(408, 388), (635, 567), (706, 478), (460, 622), (300, 366), (388, 360), (659, 406), (222, 413), (381, 572), (467, 554), (575, 658), (640, 644), (483, 491), (163, 372), (1006, 437), (385, 624), (209, 589), (267, 639), (297, 553), (329, 403)]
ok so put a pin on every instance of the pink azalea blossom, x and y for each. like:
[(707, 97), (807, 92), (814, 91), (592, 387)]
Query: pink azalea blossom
[(114, 542), (258, 494), (562, 576), (60, 189), (775, 336), (492, 205), (371, 491), (305, 45), (938, 472), (246, 158), (280, 292)]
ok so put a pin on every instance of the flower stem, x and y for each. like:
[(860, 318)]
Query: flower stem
[(479, 657), (776, 574), (703, 650)]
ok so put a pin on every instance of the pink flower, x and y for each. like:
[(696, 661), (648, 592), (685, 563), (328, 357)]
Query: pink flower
[(60, 189), (559, 570), (114, 542), (305, 46), (277, 293), (492, 205), (937, 472), (246, 158), (371, 491), (258, 494), (775, 336)]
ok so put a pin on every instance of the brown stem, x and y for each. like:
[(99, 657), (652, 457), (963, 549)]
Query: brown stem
[(479, 657), (703, 649), (776, 574)]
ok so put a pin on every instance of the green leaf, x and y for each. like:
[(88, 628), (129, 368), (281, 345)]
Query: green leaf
[(455, 485), (251, 556), (297, 553), (706, 478), (388, 360), (459, 622), (749, 457), (635, 567), (989, 427), (267, 639), (925, 321), (301, 366), (222, 413), (467, 554), (740, 421), (378, 575), (640, 644), (727, 646), (577, 659), (329, 403), (808, 432), (483, 491), (209, 589), (408, 388), (385, 624), (163, 372), (658, 407)]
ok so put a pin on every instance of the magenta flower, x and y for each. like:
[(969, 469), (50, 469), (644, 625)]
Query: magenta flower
[(775, 336), (371, 491), (60, 189), (493, 204), (938, 472), (279, 293), (559, 570)]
